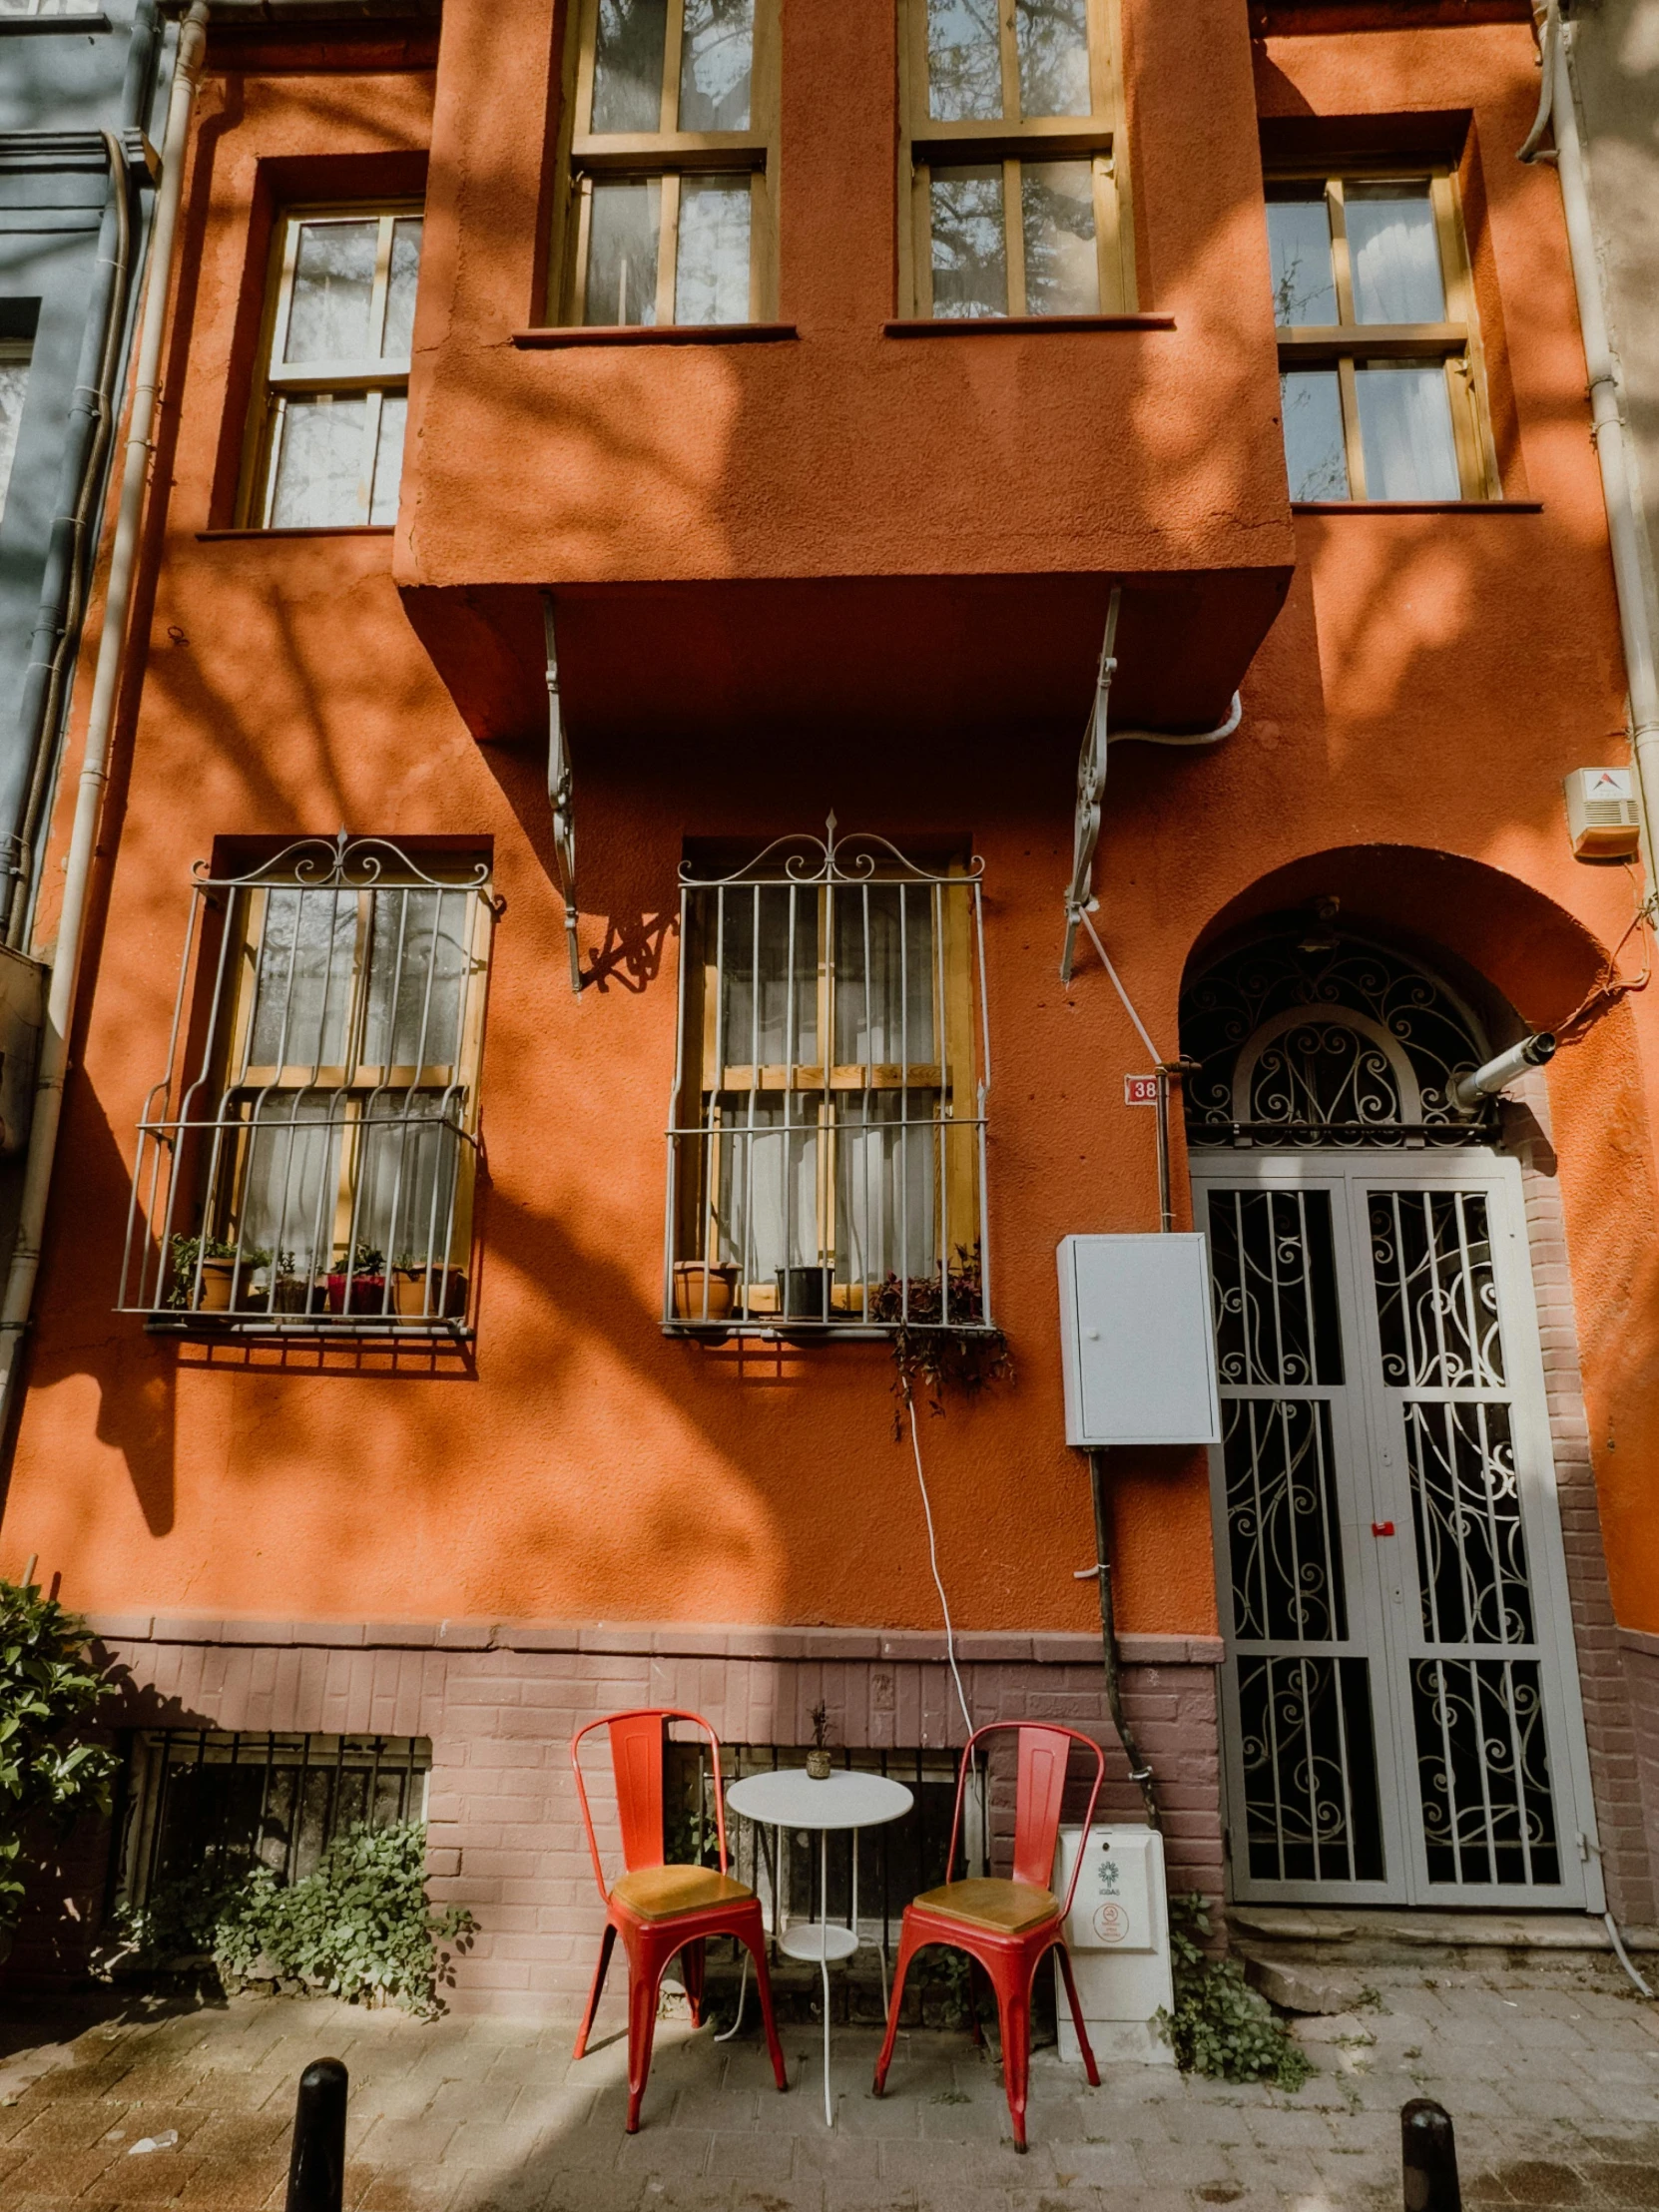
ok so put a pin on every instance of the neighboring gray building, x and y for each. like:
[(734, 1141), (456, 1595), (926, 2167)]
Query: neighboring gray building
[(78, 83)]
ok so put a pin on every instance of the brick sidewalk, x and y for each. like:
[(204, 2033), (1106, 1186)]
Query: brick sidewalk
[(1548, 2062)]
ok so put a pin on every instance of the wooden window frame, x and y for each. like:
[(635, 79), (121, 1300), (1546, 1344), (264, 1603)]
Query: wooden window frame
[(353, 1079), (955, 1083), (925, 145), (1348, 343), (665, 155), (376, 379)]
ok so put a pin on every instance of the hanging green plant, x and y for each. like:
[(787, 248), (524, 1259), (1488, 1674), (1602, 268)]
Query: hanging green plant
[(50, 1692)]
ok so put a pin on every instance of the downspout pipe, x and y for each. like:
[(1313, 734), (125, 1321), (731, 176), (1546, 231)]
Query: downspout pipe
[(25, 763), (95, 768), (1618, 469)]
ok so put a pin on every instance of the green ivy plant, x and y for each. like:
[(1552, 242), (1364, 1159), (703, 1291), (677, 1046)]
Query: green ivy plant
[(50, 1690), (1220, 2025), (361, 1927)]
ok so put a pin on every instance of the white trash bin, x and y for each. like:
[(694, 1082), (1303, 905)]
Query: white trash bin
[(1118, 1936)]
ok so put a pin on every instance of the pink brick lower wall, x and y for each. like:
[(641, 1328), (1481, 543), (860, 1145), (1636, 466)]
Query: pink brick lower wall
[(501, 1703)]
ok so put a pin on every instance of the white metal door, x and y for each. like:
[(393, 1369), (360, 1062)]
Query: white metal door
[(1400, 1705)]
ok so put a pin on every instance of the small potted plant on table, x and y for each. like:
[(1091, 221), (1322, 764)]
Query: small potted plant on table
[(819, 1765)]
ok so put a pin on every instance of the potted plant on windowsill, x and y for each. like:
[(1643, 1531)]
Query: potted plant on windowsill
[(359, 1287), (289, 1289), (704, 1291), (218, 1266)]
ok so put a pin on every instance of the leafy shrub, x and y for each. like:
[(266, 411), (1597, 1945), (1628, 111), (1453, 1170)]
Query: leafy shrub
[(1220, 2025), (359, 1928), (930, 1353), (48, 1688)]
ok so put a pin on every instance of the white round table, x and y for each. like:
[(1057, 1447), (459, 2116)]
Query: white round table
[(788, 1797)]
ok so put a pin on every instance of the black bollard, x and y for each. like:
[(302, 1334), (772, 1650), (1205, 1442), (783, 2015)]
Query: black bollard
[(316, 2170), (1428, 2157)]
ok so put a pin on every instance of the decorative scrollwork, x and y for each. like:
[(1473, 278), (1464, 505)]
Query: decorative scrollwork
[(1488, 1814), (1471, 1545), (1309, 1769), (1274, 1273), (861, 857), (1436, 1295), (342, 862), (1337, 1041), (1283, 1527)]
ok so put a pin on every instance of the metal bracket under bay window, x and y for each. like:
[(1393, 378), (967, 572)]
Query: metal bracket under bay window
[(561, 795), (1091, 790)]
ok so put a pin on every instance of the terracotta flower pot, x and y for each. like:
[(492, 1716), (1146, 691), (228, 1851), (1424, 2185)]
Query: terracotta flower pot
[(214, 1296), (690, 1281)]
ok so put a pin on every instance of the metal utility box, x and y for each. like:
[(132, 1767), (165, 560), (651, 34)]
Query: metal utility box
[(22, 1015), (1602, 819), (1136, 1340), (1118, 1936)]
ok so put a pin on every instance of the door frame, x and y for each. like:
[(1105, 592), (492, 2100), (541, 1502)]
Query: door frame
[(1348, 1171)]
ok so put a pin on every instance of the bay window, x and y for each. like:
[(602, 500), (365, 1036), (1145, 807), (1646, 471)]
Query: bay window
[(1010, 148)]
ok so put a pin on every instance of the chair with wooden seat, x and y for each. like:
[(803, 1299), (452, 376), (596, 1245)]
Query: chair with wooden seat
[(1007, 1927), (662, 1910)]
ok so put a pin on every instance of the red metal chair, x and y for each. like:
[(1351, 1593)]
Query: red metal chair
[(660, 1909), (1008, 1927)]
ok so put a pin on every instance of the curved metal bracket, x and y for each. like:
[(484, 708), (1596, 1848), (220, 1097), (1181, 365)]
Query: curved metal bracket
[(1091, 790), (561, 796)]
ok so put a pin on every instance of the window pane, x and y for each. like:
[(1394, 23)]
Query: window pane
[(716, 64), (1405, 431), (623, 229), (1314, 453), (418, 970), (291, 1179), (388, 456), (406, 1178), (710, 268), (1053, 40), (334, 287), (970, 265), (627, 65), (964, 60), (302, 994), (319, 464), (1394, 254), (885, 1176), (766, 1206), (764, 935), (14, 376), (400, 289), (1299, 243), (1062, 269), (885, 975)]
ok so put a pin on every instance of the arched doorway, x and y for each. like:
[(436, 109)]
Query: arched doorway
[(1402, 1715)]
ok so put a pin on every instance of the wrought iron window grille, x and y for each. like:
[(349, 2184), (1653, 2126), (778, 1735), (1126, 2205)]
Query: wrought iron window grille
[(203, 1804), (1337, 1043), (826, 1131), (306, 1165)]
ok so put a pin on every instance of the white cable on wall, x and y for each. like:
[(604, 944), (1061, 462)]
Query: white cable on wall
[(933, 1562)]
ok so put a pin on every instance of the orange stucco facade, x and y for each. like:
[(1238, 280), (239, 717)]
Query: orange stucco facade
[(840, 570)]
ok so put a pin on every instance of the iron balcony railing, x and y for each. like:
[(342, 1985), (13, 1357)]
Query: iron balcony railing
[(306, 1164), (826, 1136)]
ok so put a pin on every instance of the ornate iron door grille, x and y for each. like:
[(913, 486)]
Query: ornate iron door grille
[(1401, 1702)]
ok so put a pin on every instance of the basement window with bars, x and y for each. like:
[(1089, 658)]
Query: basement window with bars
[(827, 1135), (306, 1165), (203, 1804)]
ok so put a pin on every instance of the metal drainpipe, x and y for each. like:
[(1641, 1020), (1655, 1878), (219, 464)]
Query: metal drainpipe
[(95, 768), (1618, 475), (70, 543)]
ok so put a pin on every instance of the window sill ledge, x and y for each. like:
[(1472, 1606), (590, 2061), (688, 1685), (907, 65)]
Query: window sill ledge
[(1024, 326), (312, 530), (666, 334), (1416, 506), (307, 1329), (801, 1332)]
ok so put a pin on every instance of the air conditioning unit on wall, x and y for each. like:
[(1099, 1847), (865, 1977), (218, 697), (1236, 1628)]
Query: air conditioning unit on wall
[(1136, 1340)]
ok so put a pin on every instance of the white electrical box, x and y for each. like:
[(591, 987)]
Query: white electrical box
[(1118, 1936), (1601, 813), (1136, 1340)]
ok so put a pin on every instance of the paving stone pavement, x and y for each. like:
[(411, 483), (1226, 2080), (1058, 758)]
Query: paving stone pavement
[(1548, 2063)]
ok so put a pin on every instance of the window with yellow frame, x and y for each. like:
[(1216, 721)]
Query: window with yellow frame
[(670, 160), (311, 1152), (325, 442), (1010, 162), (828, 1143), (1381, 381)]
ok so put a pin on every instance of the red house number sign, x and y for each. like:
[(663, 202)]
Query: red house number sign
[(1139, 1090)]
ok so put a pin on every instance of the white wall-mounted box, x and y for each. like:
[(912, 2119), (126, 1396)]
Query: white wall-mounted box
[(1136, 1340), (1118, 1936)]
